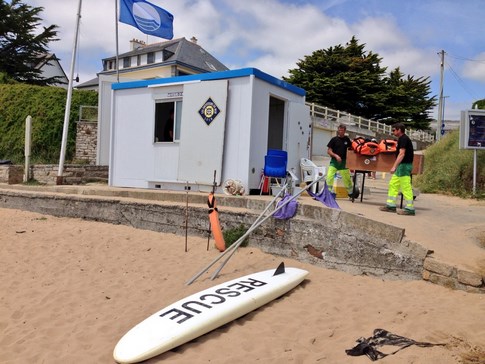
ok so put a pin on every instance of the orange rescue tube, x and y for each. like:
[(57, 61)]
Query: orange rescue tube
[(215, 224)]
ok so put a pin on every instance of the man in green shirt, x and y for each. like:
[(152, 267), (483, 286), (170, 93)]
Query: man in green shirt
[(337, 149)]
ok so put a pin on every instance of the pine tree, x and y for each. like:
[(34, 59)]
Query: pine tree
[(22, 46), (407, 100), (349, 79)]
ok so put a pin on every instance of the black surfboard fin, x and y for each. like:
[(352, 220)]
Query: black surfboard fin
[(280, 269)]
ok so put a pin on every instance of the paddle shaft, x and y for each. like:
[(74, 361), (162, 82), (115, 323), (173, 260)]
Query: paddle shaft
[(233, 246), (186, 213), (209, 230), (255, 225)]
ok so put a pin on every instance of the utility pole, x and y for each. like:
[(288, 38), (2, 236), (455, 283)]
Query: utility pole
[(439, 129)]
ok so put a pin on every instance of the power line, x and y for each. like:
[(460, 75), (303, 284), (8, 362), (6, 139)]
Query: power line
[(467, 59), (461, 82), (457, 77)]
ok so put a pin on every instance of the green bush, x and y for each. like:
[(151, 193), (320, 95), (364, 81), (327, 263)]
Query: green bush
[(46, 105), (232, 235), (448, 169)]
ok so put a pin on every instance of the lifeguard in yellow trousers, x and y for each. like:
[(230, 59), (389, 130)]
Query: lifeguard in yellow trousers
[(337, 149), (401, 174)]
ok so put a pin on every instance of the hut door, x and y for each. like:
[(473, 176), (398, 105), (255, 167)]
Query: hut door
[(202, 132), (276, 123)]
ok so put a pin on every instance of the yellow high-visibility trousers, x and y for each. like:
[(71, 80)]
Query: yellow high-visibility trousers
[(401, 181), (345, 173)]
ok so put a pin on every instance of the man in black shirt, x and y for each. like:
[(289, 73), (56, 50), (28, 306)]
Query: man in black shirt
[(337, 149), (401, 173)]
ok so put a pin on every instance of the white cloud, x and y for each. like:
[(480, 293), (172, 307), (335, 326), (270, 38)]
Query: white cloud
[(270, 35), (382, 36), (475, 69), (244, 33), (278, 41), (273, 35)]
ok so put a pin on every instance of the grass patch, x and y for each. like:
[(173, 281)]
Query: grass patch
[(232, 235), (449, 169), (80, 162), (33, 182)]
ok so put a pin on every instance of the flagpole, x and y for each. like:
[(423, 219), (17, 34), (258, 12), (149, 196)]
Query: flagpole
[(117, 43), (67, 112)]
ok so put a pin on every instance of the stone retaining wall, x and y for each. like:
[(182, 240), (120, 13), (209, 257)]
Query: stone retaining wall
[(452, 277), (345, 241), (47, 174), (11, 174), (318, 235)]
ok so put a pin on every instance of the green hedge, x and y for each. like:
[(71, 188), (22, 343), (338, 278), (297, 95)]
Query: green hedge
[(46, 105)]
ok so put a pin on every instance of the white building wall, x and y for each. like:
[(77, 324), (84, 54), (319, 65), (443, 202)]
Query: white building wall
[(136, 161), (132, 146), (104, 116), (166, 155), (261, 93), (321, 137), (53, 69), (238, 131), (158, 57), (259, 129)]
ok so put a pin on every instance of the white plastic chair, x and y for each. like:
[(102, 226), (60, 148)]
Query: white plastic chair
[(311, 172)]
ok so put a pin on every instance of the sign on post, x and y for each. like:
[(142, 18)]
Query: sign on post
[(472, 129), (472, 136)]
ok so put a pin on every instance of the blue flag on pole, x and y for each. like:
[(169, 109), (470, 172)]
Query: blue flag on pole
[(148, 18)]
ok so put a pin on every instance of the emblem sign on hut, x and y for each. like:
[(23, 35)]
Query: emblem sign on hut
[(209, 111)]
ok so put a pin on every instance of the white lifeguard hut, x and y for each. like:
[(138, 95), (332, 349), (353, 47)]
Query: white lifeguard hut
[(224, 123)]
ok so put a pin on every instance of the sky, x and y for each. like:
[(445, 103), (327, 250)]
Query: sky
[(273, 35)]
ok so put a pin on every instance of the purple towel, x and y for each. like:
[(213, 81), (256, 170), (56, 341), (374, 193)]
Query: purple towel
[(288, 211), (325, 197)]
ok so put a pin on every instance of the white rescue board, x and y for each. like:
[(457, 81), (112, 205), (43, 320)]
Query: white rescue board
[(204, 311)]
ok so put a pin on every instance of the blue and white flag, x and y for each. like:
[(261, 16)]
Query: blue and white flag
[(148, 18)]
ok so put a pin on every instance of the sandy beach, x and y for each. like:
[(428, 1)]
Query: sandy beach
[(71, 289)]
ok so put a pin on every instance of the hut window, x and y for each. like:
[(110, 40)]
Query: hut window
[(168, 116)]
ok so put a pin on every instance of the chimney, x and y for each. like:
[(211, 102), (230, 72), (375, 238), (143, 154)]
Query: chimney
[(136, 43), (193, 40)]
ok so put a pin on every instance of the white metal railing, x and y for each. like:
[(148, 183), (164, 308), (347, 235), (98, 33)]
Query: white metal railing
[(335, 117)]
